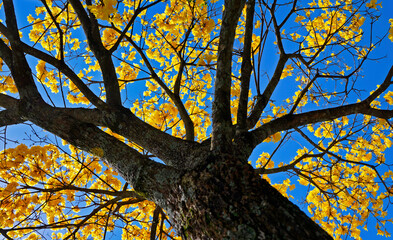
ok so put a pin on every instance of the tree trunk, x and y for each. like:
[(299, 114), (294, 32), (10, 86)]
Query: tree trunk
[(225, 199)]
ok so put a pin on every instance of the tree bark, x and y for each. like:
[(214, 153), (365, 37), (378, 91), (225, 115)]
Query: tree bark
[(226, 199)]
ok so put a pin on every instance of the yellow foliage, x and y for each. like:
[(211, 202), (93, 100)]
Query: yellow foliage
[(389, 97), (390, 36), (7, 84), (58, 186), (373, 4), (63, 175), (104, 10)]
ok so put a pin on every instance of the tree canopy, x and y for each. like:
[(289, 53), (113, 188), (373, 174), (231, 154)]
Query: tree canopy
[(117, 96)]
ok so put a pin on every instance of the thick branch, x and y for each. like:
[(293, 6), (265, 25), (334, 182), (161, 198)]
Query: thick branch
[(11, 21), (19, 67), (92, 116), (290, 121), (173, 151), (11, 115), (246, 68), (143, 174), (154, 225), (5, 52), (67, 71), (221, 112), (8, 102), (103, 56), (8, 117)]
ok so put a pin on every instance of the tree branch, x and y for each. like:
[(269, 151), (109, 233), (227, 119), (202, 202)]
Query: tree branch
[(90, 215), (288, 166), (61, 50), (221, 112), (176, 88), (8, 117), (5, 52), (154, 225), (173, 151), (123, 194), (136, 13), (290, 121), (277, 28), (188, 124), (144, 174), (263, 100), (66, 70), (19, 66), (103, 56), (8, 102), (246, 69), (302, 93), (386, 83), (92, 116)]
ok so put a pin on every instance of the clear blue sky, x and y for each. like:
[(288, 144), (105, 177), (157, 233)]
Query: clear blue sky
[(373, 71)]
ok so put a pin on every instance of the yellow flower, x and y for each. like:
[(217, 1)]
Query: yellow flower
[(373, 4)]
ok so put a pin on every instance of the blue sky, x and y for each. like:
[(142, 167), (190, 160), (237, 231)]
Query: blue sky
[(374, 72)]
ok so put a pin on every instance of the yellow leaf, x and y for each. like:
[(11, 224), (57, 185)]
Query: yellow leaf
[(387, 142), (313, 4), (30, 19), (373, 4), (276, 137), (299, 18), (11, 187), (389, 97)]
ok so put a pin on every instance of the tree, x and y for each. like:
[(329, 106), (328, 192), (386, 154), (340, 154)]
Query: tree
[(173, 97)]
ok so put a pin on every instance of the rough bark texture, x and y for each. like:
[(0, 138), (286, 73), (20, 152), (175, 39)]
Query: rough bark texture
[(225, 199)]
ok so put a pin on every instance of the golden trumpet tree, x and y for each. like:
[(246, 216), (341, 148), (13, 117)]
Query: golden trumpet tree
[(144, 117)]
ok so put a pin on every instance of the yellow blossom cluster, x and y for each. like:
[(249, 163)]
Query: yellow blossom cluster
[(329, 26), (52, 187)]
